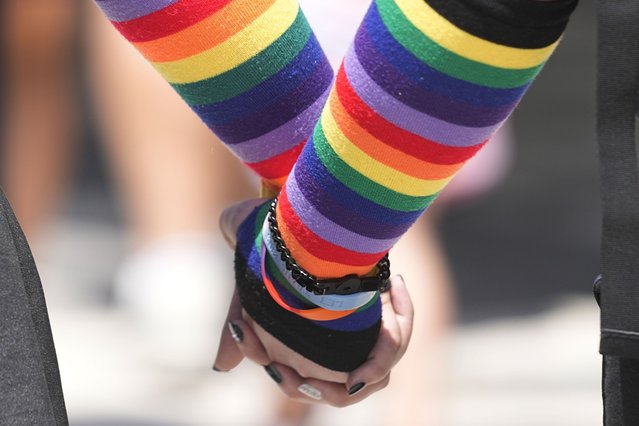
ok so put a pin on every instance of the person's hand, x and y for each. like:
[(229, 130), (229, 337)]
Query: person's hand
[(298, 377)]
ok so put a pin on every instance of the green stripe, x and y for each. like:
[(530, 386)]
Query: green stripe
[(369, 304), (361, 184), (257, 226), (273, 269), (446, 61), (249, 74)]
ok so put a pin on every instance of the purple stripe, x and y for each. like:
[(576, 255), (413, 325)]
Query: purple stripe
[(406, 117), (123, 10), (283, 138), (278, 113), (329, 230), (438, 104)]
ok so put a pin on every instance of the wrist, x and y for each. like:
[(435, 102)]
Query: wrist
[(275, 266), (339, 344)]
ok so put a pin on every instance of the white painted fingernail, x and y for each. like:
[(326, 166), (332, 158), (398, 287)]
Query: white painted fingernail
[(310, 391)]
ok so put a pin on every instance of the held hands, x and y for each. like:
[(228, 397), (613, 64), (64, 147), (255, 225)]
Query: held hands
[(298, 377)]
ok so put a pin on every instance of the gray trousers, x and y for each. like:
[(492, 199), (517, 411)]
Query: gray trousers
[(30, 390)]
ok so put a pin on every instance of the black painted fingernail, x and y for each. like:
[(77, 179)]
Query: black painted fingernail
[(356, 388), (236, 332), (273, 373)]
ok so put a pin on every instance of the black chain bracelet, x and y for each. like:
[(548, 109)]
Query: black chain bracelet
[(346, 285)]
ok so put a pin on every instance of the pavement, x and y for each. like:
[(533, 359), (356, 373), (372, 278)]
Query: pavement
[(525, 370)]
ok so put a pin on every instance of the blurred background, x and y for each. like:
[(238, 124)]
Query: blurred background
[(119, 188)]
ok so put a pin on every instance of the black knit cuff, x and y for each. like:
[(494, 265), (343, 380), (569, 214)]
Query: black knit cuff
[(335, 350), (527, 24)]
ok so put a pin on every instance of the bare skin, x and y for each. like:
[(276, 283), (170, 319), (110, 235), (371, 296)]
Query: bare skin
[(172, 173), (40, 123), (262, 348)]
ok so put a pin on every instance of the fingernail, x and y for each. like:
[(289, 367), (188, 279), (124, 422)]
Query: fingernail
[(273, 373), (217, 370), (236, 332), (401, 277), (310, 391), (356, 388)]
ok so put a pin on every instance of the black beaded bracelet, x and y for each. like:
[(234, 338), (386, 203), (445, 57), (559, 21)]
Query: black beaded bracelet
[(348, 284)]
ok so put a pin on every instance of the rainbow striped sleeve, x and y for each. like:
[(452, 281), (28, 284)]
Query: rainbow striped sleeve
[(252, 70), (423, 87)]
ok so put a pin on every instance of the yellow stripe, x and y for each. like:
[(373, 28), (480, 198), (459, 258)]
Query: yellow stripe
[(373, 169), (452, 38), (206, 34), (244, 45)]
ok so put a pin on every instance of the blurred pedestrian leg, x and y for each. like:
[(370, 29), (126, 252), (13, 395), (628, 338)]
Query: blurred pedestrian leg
[(173, 179), (40, 120)]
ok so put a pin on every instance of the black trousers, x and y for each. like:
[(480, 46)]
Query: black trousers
[(30, 390)]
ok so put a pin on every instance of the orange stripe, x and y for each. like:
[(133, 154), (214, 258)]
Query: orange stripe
[(205, 34), (276, 182), (383, 153), (316, 266), (315, 314)]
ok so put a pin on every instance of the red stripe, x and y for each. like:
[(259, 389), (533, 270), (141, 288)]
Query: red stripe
[(277, 166), (394, 136), (316, 245), (171, 19)]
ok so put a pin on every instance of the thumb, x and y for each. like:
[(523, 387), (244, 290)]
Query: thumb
[(233, 216)]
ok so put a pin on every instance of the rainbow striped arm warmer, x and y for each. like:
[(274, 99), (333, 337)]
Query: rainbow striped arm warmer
[(252, 70), (423, 87)]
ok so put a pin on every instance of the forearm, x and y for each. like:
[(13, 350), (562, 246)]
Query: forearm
[(422, 89), (253, 71)]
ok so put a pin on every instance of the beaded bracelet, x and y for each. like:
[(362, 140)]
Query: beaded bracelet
[(346, 285), (332, 302), (315, 314)]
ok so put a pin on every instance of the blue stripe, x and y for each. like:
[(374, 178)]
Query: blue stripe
[(278, 113), (289, 298), (437, 105), (357, 320)]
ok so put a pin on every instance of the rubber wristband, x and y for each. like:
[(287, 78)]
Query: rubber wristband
[(315, 314), (332, 302)]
